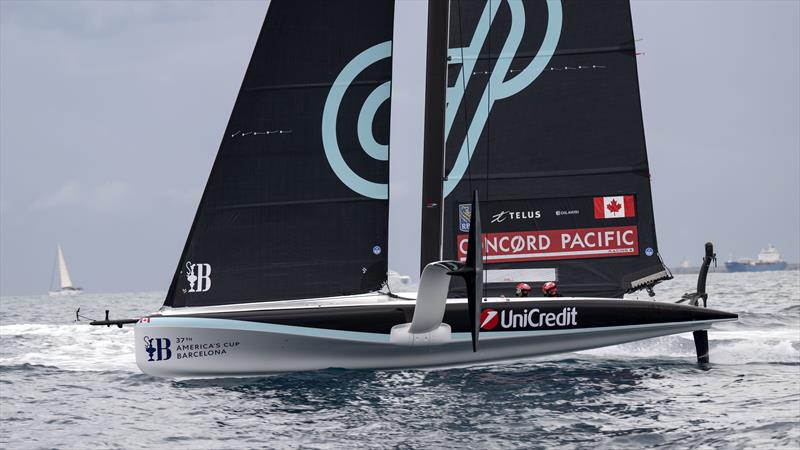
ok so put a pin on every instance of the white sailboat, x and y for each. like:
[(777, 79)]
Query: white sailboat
[(66, 288)]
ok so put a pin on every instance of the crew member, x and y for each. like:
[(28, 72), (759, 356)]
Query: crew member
[(549, 289), (523, 289)]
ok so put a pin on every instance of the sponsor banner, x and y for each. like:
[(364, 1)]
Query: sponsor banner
[(464, 217), (163, 349), (512, 215), (520, 275), (544, 245), (614, 207), (510, 319), (567, 212), (500, 216)]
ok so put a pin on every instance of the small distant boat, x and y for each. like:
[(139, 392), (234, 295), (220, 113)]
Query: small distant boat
[(398, 282), (65, 282), (768, 259), (685, 267)]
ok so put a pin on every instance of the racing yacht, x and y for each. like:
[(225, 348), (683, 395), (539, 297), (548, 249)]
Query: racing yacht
[(534, 169)]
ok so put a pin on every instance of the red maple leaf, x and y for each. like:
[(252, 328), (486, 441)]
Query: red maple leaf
[(614, 206)]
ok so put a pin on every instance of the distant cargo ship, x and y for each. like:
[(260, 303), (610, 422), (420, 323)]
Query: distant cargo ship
[(768, 259), (684, 267)]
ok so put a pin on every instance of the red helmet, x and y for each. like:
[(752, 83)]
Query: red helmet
[(523, 289), (549, 289)]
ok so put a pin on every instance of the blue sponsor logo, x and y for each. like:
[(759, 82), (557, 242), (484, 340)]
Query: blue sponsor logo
[(648, 251), (158, 347), (376, 249), (464, 216)]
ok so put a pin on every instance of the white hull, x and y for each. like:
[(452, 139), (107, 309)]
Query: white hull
[(212, 347), (65, 293)]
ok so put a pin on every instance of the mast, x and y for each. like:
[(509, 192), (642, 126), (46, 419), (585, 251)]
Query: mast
[(434, 136)]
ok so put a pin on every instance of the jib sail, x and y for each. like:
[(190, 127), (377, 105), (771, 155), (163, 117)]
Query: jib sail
[(544, 120), (296, 203)]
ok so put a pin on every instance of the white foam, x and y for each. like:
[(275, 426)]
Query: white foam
[(69, 347), (726, 347)]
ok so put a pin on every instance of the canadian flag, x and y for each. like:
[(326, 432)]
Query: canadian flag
[(614, 207)]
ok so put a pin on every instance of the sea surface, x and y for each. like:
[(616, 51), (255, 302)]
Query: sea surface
[(65, 384)]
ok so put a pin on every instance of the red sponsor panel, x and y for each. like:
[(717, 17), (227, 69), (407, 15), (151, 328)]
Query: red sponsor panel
[(556, 244)]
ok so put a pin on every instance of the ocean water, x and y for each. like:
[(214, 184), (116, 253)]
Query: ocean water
[(68, 385)]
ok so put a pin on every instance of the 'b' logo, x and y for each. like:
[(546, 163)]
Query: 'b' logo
[(198, 276), (158, 347)]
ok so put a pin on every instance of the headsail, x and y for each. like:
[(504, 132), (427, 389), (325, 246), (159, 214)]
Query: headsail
[(296, 204), (63, 274), (544, 120)]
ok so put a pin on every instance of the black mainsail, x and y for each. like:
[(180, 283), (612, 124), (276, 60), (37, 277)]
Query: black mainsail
[(296, 205), (544, 120)]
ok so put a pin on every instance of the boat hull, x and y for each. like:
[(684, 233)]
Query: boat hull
[(754, 267), (65, 293), (194, 346)]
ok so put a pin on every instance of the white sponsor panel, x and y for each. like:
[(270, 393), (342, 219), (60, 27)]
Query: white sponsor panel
[(534, 318), (520, 275), (508, 319)]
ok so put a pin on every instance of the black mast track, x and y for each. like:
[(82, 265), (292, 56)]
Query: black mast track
[(434, 138)]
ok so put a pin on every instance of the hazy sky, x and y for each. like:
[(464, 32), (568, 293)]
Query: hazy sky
[(111, 114)]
